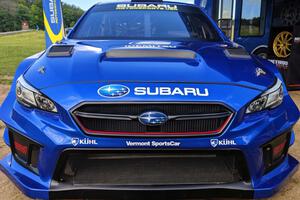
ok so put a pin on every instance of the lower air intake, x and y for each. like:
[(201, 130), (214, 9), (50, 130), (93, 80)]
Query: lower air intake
[(150, 168)]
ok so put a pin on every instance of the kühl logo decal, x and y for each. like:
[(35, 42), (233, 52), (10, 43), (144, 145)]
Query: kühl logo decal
[(225, 142)]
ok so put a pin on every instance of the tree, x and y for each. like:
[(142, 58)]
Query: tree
[(9, 5), (14, 12), (36, 11), (23, 11), (8, 22), (71, 14)]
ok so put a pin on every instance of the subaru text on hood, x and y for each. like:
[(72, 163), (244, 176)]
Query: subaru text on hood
[(148, 100)]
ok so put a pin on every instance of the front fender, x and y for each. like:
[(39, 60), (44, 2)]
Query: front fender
[(269, 66), (6, 106)]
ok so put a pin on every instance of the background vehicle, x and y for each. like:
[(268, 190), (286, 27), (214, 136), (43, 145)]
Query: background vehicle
[(263, 27)]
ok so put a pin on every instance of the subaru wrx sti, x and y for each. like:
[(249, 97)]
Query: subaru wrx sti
[(148, 100)]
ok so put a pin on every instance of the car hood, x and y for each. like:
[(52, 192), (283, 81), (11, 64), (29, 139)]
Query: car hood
[(88, 64)]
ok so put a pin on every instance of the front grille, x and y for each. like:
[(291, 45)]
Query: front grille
[(185, 119), (151, 168)]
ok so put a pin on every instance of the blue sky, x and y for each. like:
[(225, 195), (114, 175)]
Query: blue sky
[(84, 4)]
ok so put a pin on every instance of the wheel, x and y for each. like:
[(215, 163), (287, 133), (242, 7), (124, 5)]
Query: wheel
[(262, 52), (290, 14), (282, 44)]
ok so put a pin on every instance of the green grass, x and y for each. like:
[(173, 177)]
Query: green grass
[(14, 48)]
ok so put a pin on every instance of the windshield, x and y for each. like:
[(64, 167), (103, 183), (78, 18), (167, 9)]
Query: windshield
[(145, 21)]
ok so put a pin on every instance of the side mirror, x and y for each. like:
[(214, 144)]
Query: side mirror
[(68, 30)]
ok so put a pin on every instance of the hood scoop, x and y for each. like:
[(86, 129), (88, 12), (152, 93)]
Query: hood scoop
[(150, 53), (237, 53), (60, 51)]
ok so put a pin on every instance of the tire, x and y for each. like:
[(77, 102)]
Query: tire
[(262, 52)]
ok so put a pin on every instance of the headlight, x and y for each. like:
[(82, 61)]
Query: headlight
[(30, 97), (272, 98)]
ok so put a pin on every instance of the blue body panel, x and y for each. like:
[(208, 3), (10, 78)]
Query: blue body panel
[(69, 81), (87, 54)]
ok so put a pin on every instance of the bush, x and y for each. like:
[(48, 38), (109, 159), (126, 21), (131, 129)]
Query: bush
[(8, 22)]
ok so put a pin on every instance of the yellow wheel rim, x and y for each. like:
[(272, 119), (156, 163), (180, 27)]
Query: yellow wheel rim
[(282, 44)]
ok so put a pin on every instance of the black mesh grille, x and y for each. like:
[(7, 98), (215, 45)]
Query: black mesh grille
[(136, 127), (209, 125), (123, 168), (137, 109)]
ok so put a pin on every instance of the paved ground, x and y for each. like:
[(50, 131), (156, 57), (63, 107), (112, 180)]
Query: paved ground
[(289, 192), (15, 32)]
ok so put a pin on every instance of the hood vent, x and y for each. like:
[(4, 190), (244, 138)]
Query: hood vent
[(237, 53), (151, 53), (61, 51)]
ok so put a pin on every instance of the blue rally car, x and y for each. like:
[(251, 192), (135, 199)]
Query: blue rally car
[(148, 100)]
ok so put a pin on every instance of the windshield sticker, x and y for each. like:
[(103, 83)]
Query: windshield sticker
[(150, 44), (146, 7)]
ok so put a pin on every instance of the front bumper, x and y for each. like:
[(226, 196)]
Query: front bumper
[(31, 185), (245, 134)]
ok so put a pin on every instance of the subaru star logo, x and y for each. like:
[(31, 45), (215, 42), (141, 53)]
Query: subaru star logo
[(153, 118), (260, 71), (75, 141), (214, 142), (113, 91)]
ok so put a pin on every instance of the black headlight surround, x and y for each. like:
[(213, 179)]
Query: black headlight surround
[(29, 97), (276, 87)]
